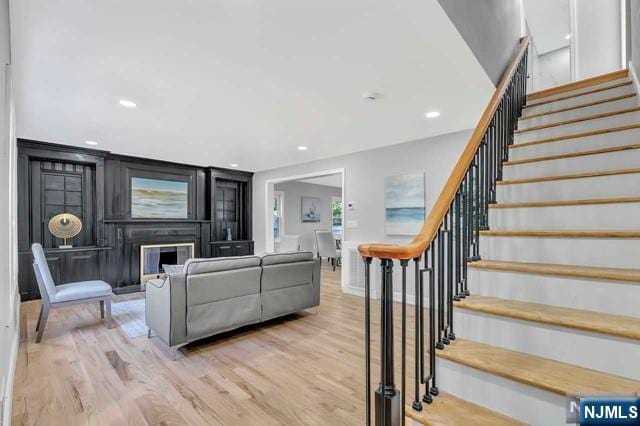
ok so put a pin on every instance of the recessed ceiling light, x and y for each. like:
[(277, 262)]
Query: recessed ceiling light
[(127, 104), (302, 148), (233, 165), (567, 37), (432, 114), (91, 143)]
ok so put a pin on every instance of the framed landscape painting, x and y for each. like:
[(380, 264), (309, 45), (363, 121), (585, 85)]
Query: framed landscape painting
[(404, 203), (159, 199), (310, 209)]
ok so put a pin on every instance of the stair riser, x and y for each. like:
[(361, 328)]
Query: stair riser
[(621, 216), (579, 100), (599, 352), (599, 252), (578, 113), (627, 159), (610, 297), (586, 89), (525, 403), (579, 127), (567, 146), (615, 186)]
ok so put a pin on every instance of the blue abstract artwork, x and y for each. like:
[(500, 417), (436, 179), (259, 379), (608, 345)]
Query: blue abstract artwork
[(404, 204), (159, 198)]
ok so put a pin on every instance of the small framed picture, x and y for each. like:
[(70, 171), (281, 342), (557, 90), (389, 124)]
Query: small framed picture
[(310, 209)]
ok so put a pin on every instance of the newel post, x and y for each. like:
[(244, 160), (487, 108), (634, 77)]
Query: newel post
[(387, 399)]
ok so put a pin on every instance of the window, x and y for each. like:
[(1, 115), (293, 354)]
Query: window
[(278, 228), (336, 216)]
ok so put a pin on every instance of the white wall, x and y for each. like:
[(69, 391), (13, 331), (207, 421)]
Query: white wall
[(9, 306), (293, 225), (597, 40), (553, 68), (364, 184)]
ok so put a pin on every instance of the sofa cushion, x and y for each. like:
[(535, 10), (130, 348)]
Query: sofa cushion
[(291, 257), (203, 266), (222, 285), (81, 290)]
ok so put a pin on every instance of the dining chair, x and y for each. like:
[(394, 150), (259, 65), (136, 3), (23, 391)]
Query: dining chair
[(326, 244), (289, 243), (66, 294)]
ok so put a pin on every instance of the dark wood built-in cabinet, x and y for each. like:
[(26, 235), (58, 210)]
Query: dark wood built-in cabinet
[(96, 186)]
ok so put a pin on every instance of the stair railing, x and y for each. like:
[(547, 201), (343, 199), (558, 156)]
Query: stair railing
[(447, 242)]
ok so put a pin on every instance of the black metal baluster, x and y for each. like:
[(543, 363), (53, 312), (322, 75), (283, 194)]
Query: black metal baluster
[(419, 367), (458, 245), (367, 336), (476, 213), (403, 365), (451, 335), (432, 329)]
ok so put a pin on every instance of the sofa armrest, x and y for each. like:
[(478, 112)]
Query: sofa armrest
[(166, 308)]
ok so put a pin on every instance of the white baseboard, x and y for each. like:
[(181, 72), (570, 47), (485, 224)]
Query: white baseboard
[(12, 339), (358, 291), (636, 80)]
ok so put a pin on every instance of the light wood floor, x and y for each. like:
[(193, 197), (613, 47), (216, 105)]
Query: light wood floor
[(303, 369)]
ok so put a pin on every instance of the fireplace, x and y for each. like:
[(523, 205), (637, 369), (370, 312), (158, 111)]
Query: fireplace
[(154, 257)]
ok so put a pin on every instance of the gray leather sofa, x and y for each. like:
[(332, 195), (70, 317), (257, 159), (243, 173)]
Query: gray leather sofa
[(211, 296)]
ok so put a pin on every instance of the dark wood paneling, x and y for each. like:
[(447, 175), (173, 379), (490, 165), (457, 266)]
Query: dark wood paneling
[(96, 185)]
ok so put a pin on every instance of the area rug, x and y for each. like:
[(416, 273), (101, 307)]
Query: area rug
[(130, 317)]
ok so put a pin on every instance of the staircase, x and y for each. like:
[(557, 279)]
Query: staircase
[(541, 300), (555, 301)]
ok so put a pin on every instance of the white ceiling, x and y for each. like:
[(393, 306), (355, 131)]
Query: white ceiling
[(240, 81), (334, 180), (549, 23)]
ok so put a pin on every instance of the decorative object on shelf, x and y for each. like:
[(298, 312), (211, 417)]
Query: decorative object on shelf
[(65, 226), (159, 199), (310, 209), (229, 236), (404, 204)]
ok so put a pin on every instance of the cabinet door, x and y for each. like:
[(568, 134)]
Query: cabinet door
[(223, 250), (56, 267), (82, 266), (241, 249)]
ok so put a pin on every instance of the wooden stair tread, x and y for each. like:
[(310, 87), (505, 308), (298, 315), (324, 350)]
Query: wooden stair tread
[(575, 95), (559, 203), (585, 105), (596, 322), (562, 233), (579, 84), (574, 154), (447, 410), (543, 373), (578, 120), (575, 136), (568, 177), (576, 271)]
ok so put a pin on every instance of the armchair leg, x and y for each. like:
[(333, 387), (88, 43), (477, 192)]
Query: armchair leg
[(43, 322), (107, 303), (102, 309), (39, 317)]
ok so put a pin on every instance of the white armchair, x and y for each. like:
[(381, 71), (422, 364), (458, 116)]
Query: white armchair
[(326, 244), (66, 294), (289, 243)]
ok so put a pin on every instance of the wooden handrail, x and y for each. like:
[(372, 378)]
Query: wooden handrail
[(436, 216)]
